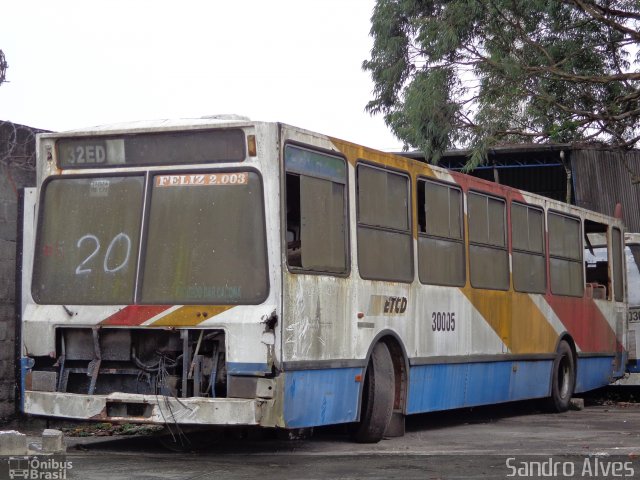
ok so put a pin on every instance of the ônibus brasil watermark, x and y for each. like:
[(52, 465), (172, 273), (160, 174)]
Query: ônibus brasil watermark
[(37, 468)]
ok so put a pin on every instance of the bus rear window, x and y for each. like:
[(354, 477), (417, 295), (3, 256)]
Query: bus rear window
[(87, 244), (206, 240)]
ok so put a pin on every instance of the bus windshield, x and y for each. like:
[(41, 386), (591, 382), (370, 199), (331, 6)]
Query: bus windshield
[(204, 240)]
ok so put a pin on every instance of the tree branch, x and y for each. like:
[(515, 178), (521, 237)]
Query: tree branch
[(591, 10)]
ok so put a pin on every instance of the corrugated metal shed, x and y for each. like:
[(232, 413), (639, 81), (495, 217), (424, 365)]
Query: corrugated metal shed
[(601, 180), (534, 168)]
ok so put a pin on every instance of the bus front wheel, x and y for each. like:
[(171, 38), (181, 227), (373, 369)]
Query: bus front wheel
[(563, 378), (377, 397)]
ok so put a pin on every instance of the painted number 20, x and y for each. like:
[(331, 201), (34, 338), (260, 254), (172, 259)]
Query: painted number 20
[(119, 238)]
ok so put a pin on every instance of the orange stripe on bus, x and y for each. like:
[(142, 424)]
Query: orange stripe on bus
[(191, 315), (355, 152), (515, 318)]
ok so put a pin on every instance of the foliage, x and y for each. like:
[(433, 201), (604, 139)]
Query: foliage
[(3, 67), (480, 73), (109, 429), (18, 145)]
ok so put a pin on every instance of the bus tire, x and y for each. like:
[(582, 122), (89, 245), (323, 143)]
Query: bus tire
[(563, 378), (377, 397)]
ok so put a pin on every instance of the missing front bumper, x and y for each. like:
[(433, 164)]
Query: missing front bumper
[(154, 409)]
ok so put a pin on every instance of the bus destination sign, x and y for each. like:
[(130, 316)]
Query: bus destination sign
[(86, 153), (191, 147)]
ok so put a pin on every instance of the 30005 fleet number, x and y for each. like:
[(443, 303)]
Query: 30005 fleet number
[(443, 321)]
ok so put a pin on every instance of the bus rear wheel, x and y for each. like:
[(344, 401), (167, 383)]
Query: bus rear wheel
[(563, 378), (377, 397)]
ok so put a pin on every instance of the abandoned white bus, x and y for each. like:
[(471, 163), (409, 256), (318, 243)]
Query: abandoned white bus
[(598, 253), (217, 272), (632, 256)]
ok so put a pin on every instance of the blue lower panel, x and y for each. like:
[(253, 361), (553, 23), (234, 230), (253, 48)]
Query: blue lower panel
[(446, 386), (633, 366), (594, 372), (321, 397), (324, 397)]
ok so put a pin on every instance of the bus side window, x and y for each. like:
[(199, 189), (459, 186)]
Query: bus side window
[(603, 262), (488, 255), (441, 255), (385, 245), (565, 255), (316, 231), (527, 238)]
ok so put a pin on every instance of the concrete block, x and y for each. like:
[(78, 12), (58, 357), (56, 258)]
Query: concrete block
[(53, 441), (576, 404), (7, 281), (6, 370), (8, 219), (7, 389), (7, 350), (7, 313), (42, 381), (22, 176), (396, 425), (13, 443), (6, 411), (8, 250)]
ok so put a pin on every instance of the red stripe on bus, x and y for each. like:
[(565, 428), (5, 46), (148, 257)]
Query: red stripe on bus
[(480, 185), (134, 315), (585, 323)]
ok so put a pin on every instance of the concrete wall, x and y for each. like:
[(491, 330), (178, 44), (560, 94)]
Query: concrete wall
[(17, 170)]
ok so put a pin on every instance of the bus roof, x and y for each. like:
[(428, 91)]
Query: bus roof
[(230, 121), (157, 125)]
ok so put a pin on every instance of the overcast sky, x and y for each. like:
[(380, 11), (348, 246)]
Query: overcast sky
[(82, 63)]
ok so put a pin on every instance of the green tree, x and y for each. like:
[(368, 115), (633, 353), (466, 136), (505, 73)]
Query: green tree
[(480, 73)]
